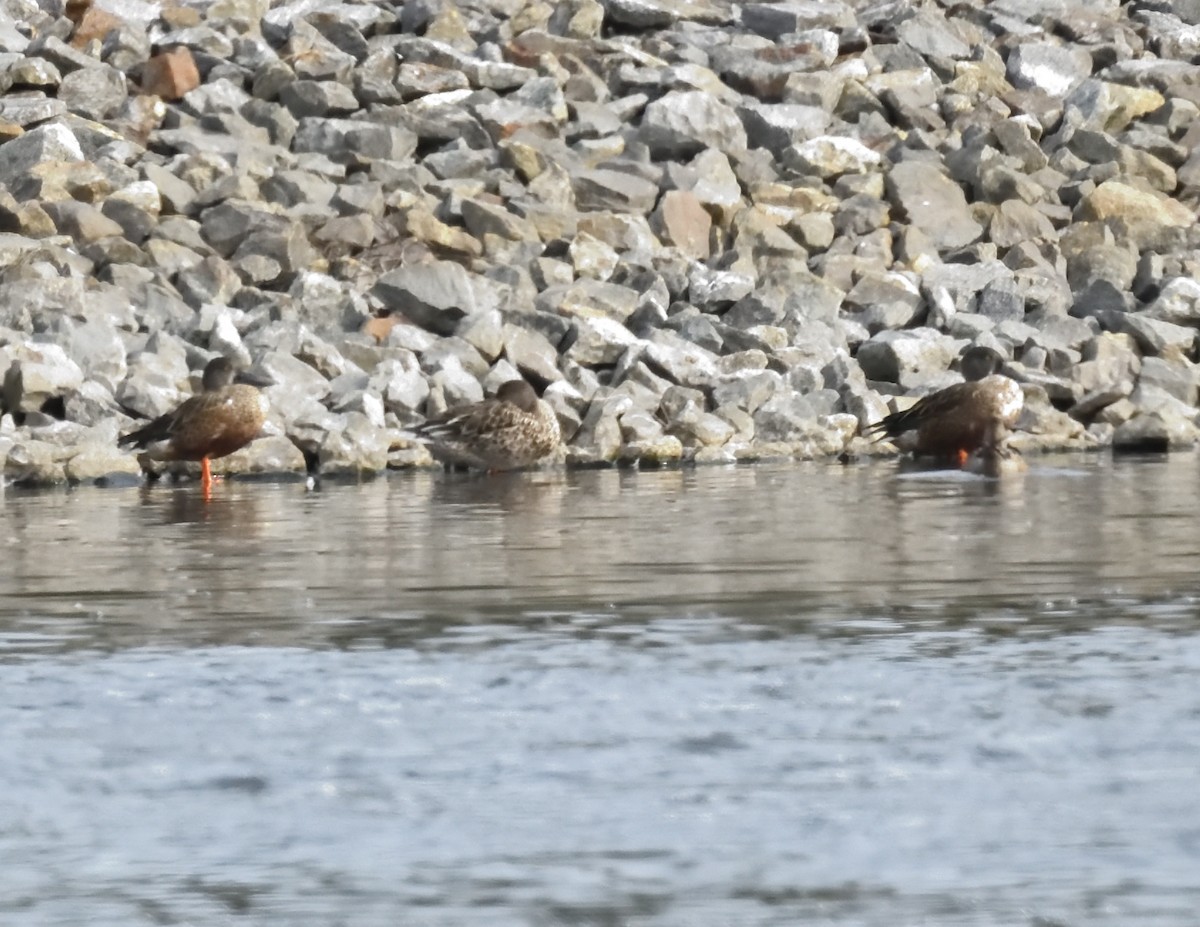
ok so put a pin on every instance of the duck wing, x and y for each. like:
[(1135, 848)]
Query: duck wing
[(165, 426), (929, 408), (472, 422)]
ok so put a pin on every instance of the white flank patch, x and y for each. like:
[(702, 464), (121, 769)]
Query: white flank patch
[(1012, 400)]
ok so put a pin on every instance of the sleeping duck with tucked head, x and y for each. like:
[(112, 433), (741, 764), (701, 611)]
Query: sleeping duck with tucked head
[(514, 429)]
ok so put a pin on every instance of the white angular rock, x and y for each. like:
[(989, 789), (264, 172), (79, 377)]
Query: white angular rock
[(52, 142), (684, 122), (37, 374)]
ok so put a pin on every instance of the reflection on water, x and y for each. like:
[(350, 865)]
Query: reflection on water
[(271, 563), (856, 695)]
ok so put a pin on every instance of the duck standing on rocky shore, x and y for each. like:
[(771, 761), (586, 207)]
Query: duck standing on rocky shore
[(957, 421), (515, 429), (225, 416)]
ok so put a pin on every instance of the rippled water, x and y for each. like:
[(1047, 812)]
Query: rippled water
[(731, 696)]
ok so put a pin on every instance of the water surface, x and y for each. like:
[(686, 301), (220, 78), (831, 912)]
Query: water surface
[(727, 696)]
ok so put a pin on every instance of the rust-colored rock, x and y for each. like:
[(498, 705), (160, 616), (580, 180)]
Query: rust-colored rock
[(95, 24), (171, 74), (685, 223)]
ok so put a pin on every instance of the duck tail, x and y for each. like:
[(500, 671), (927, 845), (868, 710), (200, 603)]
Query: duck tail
[(156, 430), (435, 430), (891, 426)]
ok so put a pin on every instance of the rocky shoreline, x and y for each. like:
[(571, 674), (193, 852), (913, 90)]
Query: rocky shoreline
[(707, 232)]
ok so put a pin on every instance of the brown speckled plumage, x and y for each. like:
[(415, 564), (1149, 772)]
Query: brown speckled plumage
[(513, 430), (225, 416), (955, 421)]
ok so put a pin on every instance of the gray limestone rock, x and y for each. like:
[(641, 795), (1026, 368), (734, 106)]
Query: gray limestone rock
[(642, 14), (1107, 105), (778, 126), (484, 331), (684, 122), (609, 189), (82, 221), (1178, 302), (1156, 337), (436, 296), (890, 356), (451, 386), (696, 428), (599, 439), (322, 98), (1162, 426), (790, 416), (99, 350), (715, 289), (775, 19), (1176, 377), (531, 352), (831, 156), (327, 305), (37, 374), (600, 341), (885, 301), (33, 462), (929, 34), (30, 110), (699, 330), (749, 391), (933, 203), (588, 297), (346, 139), (294, 188), (1143, 217), (94, 93), (51, 142), (211, 280), (402, 384), (1051, 68), (285, 245), (358, 448), (270, 455), (322, 356), (454, 352), (680, 361), (91, 404), (101, 462)]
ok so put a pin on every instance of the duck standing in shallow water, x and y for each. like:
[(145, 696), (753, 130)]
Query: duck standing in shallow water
[(226, 415), (515, 429), (956, 421)]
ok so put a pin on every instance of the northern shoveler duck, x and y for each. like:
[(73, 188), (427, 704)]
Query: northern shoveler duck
[(514, 429), (227, 414), (956, 421)]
